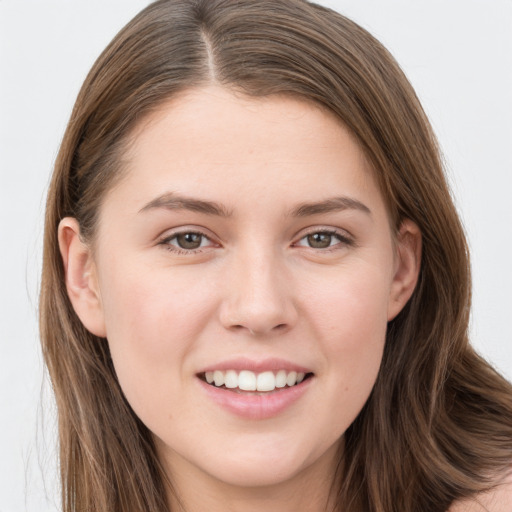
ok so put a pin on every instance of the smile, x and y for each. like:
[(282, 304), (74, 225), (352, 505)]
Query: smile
[(246, 380), (255, 390)]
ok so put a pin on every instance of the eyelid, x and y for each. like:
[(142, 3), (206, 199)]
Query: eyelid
[(344, 237), (171, 234)]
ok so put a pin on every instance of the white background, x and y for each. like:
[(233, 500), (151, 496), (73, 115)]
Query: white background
[(457, 54)]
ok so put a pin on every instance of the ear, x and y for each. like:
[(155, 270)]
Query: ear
[(407, 267), (81, 277)]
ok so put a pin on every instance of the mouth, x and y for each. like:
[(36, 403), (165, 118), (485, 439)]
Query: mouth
[(256, 390), (249, 382)]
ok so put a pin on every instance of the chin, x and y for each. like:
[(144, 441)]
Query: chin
[(271, 465), (256, 474)]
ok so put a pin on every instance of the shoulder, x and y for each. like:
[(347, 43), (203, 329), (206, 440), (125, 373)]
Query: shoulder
[(499, 499)]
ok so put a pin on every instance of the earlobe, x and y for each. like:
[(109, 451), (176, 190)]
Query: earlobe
[(407, 268), (80, 276)]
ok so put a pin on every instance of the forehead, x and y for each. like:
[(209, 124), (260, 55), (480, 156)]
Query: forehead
[(218, 114), (214, 142)]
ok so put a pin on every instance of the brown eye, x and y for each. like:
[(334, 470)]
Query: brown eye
[(189, 240), (319, 240), (325, 239)]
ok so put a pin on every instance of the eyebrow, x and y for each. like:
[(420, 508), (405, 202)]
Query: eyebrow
[(172, 201), (330, 205)]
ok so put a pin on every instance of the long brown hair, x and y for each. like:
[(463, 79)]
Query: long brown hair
[(438, 424)]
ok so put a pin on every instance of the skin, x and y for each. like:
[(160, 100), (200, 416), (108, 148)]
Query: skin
[(256, 288), (499, 499)]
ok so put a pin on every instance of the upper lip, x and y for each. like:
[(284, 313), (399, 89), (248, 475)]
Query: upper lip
[(256, 366)]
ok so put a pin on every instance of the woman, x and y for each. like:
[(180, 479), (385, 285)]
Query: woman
[(255, 288)]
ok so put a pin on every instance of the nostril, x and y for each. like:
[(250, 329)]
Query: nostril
[(256, 332)]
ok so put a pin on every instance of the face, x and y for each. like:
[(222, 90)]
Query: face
[(248, 246)]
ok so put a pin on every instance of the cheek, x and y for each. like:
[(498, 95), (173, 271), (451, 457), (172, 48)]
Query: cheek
[(152, 305), (350, 306), (351, 322), (152, 321)]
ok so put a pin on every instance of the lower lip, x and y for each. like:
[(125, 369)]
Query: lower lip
[(256, 406)]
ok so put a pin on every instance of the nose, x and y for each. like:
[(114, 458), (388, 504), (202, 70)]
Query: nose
[(258, 297)]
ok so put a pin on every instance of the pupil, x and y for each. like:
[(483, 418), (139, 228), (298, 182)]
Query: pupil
[(319, 240), (189, 240)]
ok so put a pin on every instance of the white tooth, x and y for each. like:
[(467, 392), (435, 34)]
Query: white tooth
[(209, 377), (266, 382), (281, 379), (247, 381), (300, 377), (218, 378), (231, 379), (291, 378)]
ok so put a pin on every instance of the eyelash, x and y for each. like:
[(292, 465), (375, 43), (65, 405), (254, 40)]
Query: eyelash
[(166, 242), (343, 240)]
